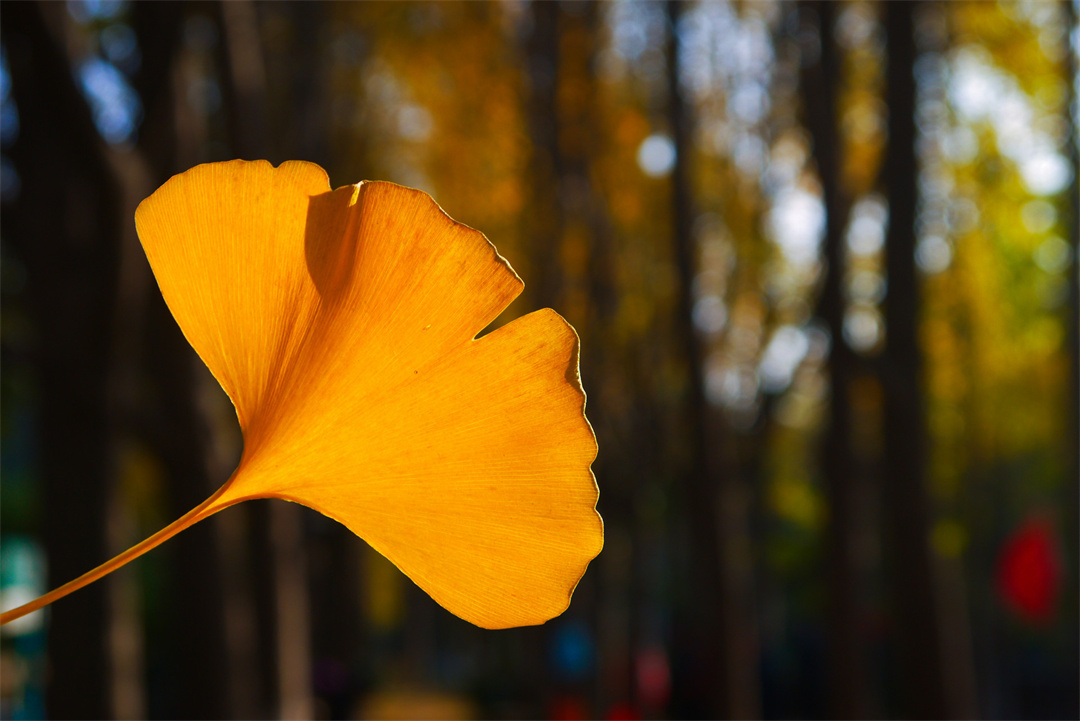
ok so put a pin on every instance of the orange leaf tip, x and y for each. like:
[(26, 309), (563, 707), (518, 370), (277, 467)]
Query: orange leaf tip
[(342, 324)]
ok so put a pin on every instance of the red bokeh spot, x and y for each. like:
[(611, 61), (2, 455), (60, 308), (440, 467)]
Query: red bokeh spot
[(653, 677), (622, 712), (1029, 571), (569, 708)]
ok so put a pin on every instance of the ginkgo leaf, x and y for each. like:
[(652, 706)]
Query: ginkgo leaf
[(343, 324)]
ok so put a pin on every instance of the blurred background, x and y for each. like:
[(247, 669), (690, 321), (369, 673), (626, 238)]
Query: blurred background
[(822, 257)]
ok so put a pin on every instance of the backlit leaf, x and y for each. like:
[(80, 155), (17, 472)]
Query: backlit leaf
[(342, 324)]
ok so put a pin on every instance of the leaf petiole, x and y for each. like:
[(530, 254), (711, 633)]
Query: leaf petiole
[(207, 508)]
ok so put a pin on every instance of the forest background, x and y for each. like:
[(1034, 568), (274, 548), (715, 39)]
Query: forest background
[(822, 260)]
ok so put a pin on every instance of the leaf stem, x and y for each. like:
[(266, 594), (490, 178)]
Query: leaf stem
[(204, 510)]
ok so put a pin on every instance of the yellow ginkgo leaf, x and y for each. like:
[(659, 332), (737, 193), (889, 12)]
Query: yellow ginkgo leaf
[(343, 325)]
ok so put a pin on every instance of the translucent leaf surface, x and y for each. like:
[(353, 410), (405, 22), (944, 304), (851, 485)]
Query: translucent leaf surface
[(342, 325)]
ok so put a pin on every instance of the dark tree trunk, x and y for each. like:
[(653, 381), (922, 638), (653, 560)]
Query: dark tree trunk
[(65, 226), (245, 79), (1071, 494), (309, 99), (196, 602), (845, 654), (587, 290), (917, 635), (546, 165), (718, 681)]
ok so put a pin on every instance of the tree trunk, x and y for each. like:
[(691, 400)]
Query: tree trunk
[(847, 692), (65, 226), (922, 691), (720, 679), (1071, 490), (546, 166)]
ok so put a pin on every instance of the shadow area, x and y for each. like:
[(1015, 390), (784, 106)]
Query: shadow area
[(332, 240)]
